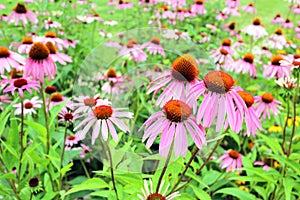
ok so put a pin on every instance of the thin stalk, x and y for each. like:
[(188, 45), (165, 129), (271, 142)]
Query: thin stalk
[(46, 120), (21, 138), (285, 125), (164, 169), (185, 169), (85, 169), (111, 170), (62, 155), (294, 116), (205, 162)]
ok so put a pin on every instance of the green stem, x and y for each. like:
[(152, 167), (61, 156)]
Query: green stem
[(46, 120), (285, 125), (62, 155), (21, 139), (85, 169)]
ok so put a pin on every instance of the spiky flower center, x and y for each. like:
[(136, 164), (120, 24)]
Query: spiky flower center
[(68, 117), (51, 47), (50, 35), (218, 81), (279, 32), (27, 40), (90, 101), (185, 68), (111, 73), (71, 137), (56, 97), (224, 51), (177, 111), (256, 21), (50, 89), (277, 16), (226, 42), (20, 82), (250, 4), (20, 8), (231, 26), (165, 8), (275, 60), (28, 105), (199, 2), (287, 21), (249, 58), (103, 112), (155, 40), (234, 154), (4, 52), (267, 97), (156, 196), (33, 182), (247, 97), (39, 51)]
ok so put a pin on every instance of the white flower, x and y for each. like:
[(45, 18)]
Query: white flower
[(85, 19), (110, 23)]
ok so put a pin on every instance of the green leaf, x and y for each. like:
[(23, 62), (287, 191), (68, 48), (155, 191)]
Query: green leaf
[(55, 110), (38, 128), (66, 168), (202, 195), (288, 184), (196, 178), (261, 191), (273, 144), (241, 194), (294, 165), (91, 184), (10, 149), (261, 173)]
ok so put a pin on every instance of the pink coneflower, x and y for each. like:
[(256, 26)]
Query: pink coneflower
[(239, 46), (222, 59), (176, 34), (221, 16), (9, 59), (261, 163), (232, 3), (231, 160), (256, 29), (266, 103), (30, 106), (287, 24), (264, 51), (133, 50), (39, 63), (85, 150), (174, 121), (230, 28), (84, 104), (123, 4), (249, 8), (246, 65), (86, 19), (290, 44), (56, 56), (25, 46), (2, 7), (198, 7), (51, 24), (149, 194), (115, 83), (166, 13), (220, 100), (292, 61), (276, 40), (277, 19), (67, 116), (182, 76), (103, 119), (57, 98), (51, 37), (204, 38), (226, 45), (20, 13), (296, 9), (231, 11), (251, 119), (5, 98), (70, 43), (274, 69), (154, 47), (20, 85), (71, 140)]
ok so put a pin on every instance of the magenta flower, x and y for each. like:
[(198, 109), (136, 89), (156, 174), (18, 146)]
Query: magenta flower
[(39, 63), (56, 56), (220, 100), (287, 24), (154, 47), (84, 104), (222, 59), (9, 59), (173, 122), (25, 46), (30, 106), (251, 118), (20, 85), (278, 19), (67, 115), (51, 24), (231, 160), (103, 119), (276, 40), (245, 65), (123, 4), (275, 70), (198, 7), (56, 98), (20, 13), (115, 83), (232, 3), (134, 51), (265, 104), (71, 140), (182, 76), (51, 37), (249, 8)]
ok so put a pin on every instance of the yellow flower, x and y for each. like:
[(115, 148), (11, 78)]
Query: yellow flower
[(276, 164), (240, 182), (283, 52), (290, 121), (243, 188), (275, 129)]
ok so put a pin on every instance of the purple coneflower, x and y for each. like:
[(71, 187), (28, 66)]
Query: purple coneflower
[(51, 24), (154, 47), (277, 19), (133, 50), (25, 46), (265, 104), (20, 13), (66, 115), (287, 24), (123, 4), (222, 59), (256, 29), (198, 7), (173, 122), (30, 106), (20, 85), (9, 59), (39, 63), (56, 56), (275, 70), (231, 160), (115, 83), (71, 140), (249, 8), (245, 65)]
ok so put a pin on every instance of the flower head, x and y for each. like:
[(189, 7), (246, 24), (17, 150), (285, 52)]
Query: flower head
[(21, 84), (9, 59), (231, 160)]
